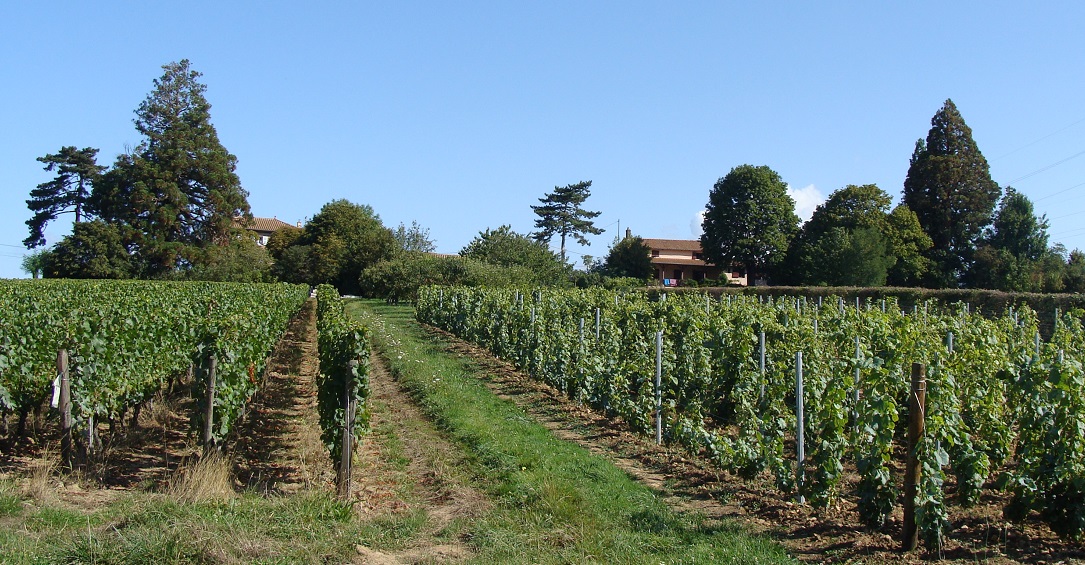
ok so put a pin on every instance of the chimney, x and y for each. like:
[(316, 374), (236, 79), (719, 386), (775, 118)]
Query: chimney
[(628, 233)]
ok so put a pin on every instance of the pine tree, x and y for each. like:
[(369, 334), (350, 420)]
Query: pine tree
[(77, 170), (949, 188), (177, 193), (561, 214)]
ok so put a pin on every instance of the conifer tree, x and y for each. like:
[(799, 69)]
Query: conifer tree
[(177, 193), (949, 188), (77, 170), (561, 214)]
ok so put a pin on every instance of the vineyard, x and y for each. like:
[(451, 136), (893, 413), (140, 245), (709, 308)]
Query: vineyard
[(1005, 406), (343, 387), (127, 340)]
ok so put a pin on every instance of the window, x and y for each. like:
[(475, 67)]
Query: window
[(655, 253)]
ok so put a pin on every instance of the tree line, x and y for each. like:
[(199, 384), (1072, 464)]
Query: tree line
[(954, 227), (173, 207)]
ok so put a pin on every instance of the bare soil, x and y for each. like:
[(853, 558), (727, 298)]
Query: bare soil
[(690, 482)]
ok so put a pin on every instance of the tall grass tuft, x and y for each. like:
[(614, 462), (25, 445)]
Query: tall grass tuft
[(208, 479)]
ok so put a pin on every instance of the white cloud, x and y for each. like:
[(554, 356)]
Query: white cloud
[(695, 224), (806, 199)]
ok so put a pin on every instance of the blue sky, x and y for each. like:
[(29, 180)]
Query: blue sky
[(461, 115)]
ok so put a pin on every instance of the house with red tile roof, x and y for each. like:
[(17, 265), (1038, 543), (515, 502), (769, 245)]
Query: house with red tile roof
[(676, 260), (262, 227)]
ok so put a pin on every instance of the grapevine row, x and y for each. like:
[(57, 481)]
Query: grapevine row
[(1004, 409), (344, 357), (127, 339)]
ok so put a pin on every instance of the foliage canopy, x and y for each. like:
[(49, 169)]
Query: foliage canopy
[(749, 219)]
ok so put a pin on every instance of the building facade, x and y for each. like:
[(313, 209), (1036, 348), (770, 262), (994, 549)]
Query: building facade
[(676, 260)]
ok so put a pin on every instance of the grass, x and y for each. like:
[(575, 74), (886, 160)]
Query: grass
[(549, 501), (554, 501), (309, 527)]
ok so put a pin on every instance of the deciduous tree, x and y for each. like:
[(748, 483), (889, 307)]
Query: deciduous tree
[(853, 240), (630, 257), (413, 239), (506, 248), (34, 263), (94, 250), (560, 214), (344, 238), (749, 219)]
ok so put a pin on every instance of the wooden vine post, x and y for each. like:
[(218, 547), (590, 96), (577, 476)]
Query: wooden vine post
[(916, 409), (342, 478), (65, 406), (209, 410)]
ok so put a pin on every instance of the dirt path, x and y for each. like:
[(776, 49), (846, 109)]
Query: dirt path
[(278, 448)]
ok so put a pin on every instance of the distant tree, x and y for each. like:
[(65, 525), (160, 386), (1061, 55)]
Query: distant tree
[(344, 238), (823, 252), (749, 219), (506, 248), (909, 244), (292, 265), (399, 278), (94, 250), (77, 170), (240, 260), (560, 214), (413, 239), (178, 191), (630, 257), (34, 263), (853, 240), (1013, 254), (281, 239), (949, 188), (1075, 272)]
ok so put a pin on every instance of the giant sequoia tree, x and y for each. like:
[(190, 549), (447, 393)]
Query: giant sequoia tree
[(177, 192), (749, 219), (949, 188)]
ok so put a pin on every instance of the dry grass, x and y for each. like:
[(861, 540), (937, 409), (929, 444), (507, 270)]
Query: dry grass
[(312, 456), (40, 484), (159, 412), (206, 479)]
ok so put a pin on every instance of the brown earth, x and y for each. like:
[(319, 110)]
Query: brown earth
[(690, 482)]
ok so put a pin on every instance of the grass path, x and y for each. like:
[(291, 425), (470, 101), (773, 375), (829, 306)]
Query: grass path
[(553, 500)]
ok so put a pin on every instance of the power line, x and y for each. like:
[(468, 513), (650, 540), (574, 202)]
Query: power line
[(1042, 169), (1068, 215), (1031, 143), (9, 245), (1059, 192)]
